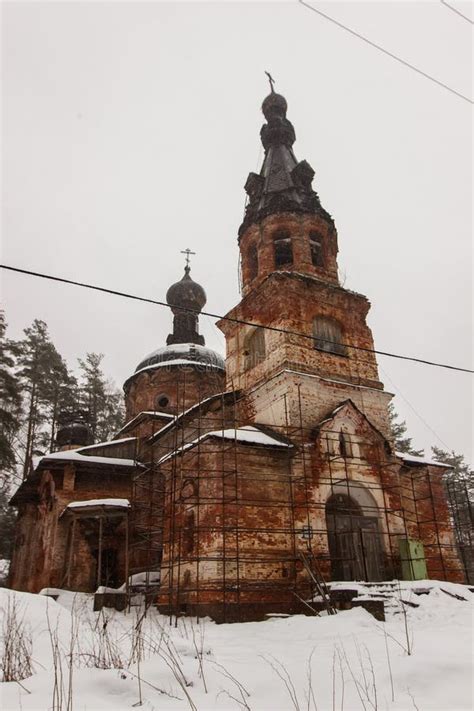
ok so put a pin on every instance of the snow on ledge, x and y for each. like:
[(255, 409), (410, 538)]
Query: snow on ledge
[(248, 434), (421, 460), (179, 362), (155, 413), (181, 415), (74, 455), (116, 503), (109, 443)]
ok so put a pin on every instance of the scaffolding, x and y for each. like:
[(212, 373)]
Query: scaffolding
[(145, 523), (226, 531)]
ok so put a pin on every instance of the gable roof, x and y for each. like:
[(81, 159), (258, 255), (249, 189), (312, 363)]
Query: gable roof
[(74, 455), (413, 460), (249, 435), (144, 415), (350, 402), (226, 397)]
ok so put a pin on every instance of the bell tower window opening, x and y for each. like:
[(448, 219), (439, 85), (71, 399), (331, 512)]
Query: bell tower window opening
[(328, 336), (252, 261), (283, 248), (254, 348), (345, 445), (316, 247)]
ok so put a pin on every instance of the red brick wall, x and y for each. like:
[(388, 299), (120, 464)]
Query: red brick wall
[(299, 227), (183, 386), (40, 552)]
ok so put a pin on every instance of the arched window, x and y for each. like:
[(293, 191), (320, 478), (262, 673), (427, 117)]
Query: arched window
[(328, 335), (283, 248), (252, 261), (316, 247), (254, 348), (345, 445)]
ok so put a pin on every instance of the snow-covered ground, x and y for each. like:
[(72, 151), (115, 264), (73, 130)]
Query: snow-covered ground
[(344, 662)]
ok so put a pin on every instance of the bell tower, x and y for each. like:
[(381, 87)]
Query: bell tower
[(285, 228), (288, 247)]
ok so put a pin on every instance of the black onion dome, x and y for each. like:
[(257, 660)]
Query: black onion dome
[(185, 346), (73, 430), (274, 105), (182, 354), (186, 293)]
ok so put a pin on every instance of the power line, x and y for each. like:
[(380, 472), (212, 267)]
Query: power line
[(454, 9), (385, 51), (276, 329), (422, 419)]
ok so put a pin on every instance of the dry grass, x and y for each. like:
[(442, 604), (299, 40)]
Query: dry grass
[(15, 661)]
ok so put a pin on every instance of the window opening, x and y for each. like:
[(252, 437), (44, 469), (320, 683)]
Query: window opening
[(316, 247), (283, 248), (345, 446), (328, 335), (254, 348), (252, 259), (162, 401)]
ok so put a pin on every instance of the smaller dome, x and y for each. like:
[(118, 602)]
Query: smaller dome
[(73, 430), (186, 293), (274, 106)]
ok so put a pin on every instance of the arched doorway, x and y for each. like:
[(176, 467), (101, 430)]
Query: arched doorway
[(354, 540)]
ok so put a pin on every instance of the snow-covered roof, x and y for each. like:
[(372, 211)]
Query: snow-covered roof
[(247, 434), (74, 455), (109, 443), (178, 361), (152, 413), (196, 406), (115, 503), (421, 460), (332, 413)]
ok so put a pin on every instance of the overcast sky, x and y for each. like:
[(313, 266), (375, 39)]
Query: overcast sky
[(128, 133)]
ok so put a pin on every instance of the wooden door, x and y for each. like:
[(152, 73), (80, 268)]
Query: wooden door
[(355, 548)]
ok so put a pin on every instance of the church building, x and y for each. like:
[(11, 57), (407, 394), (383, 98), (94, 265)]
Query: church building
[(235, 485)]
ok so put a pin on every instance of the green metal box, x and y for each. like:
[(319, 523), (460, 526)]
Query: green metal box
[(412, 557)]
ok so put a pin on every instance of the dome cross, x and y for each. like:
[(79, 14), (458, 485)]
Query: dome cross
[(188, 253), (271, 80)]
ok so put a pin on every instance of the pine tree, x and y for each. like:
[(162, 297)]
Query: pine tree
[(399, 434), (7, 525), (10, 413), (102, 400), (63, 396), (112, 417), (459, 482), (43, 375), (10, 406)]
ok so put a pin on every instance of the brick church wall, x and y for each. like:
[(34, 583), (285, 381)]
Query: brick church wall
[(41, 533), (181, 385)]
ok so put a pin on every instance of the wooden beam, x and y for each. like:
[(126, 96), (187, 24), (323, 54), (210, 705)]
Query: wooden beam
[(99, 557), (71, 551)]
